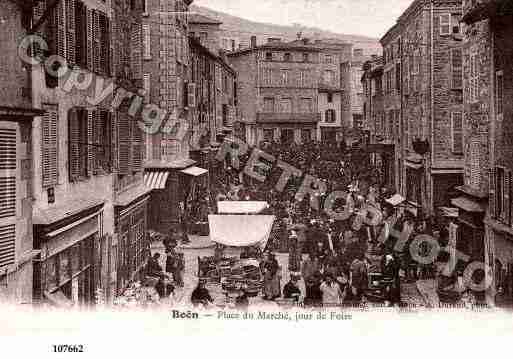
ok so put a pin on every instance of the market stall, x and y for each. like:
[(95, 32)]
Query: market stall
[(248, 235), (241, 207)]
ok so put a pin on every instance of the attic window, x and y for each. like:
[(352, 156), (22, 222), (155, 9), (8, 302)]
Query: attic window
[(306, 58), (269, 56), (287, 57)]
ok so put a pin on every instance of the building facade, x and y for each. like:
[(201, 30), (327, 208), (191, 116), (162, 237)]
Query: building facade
[(334, 90), (16, 115), (88, 151), (207, 31), (431, 117), (277, 85), (488, 75), (165, 57)]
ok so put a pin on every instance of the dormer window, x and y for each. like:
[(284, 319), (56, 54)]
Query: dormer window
[(269, 56)]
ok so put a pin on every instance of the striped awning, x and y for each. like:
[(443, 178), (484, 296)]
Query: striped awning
[(156, 179)]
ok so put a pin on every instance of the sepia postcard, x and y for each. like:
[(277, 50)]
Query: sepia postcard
[(172, 170)]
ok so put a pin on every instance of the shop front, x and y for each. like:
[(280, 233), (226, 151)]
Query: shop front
[(67, 271), (131, 251)]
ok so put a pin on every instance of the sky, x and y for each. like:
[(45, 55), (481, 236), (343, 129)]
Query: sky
[(360, 17)]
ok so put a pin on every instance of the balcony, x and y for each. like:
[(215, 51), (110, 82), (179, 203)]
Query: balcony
[(288, 117), (325, 86)]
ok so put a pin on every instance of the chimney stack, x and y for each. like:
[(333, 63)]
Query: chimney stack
[(253, 41)]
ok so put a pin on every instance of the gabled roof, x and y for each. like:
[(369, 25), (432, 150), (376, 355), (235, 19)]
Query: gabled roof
[(195, 18)]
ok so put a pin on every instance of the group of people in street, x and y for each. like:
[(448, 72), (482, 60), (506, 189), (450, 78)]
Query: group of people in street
[(333, 257)]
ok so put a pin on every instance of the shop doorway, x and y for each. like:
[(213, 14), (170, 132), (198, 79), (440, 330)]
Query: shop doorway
[(287, 136)]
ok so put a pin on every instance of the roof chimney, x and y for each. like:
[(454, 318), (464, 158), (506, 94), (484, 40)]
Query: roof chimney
[(253, 41)]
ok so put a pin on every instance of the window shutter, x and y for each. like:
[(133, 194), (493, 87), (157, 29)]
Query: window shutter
[(491, 190), (147, 87), (8, 199), (137, 146), (110, 48), (61, 29), (74, 145), (457, 132), (112, 116), (507, 196), (147, 41), (191, 94), (70, 31), (92, 164), (49, 144), (136, 51), (96, 42), (90, 35), (457, 68), (123, 137)]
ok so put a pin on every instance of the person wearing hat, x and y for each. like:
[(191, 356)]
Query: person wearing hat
[(201, 295), (291, 289)]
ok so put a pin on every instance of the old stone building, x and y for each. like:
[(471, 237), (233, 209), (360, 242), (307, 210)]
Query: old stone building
[(488, 76), (89, 198), (431, 118), (334, 90), (207, 31), (16, 115), (166, 59), (277, 90), (353, 72), (380, 139)]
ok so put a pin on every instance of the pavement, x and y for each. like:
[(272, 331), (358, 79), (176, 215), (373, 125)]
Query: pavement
[(411, 293)]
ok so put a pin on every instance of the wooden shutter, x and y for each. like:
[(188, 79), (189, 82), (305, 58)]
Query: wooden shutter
[(507, 197), (457, 68), (457, 132), (50, 145), (74, 145), (81, 34), (491, 190), (113, 123), (90, 40), (92, 164), (61, 29), (70, 31), (123, 136), (8, 199), (136, 51), (96, 42), (191, 95), (137, 146)]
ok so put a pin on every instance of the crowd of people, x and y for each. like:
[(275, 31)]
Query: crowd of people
[(332, 257)]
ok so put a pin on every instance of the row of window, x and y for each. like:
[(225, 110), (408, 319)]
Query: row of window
[(284, 77), (449, 24), (95, 139), (289, 57), (285, 105)]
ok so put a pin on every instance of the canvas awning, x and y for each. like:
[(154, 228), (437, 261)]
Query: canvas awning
[(467, 205), (241, 207), (58, 299), (194, 171), (395, 200), (240, 230), (156, 179)]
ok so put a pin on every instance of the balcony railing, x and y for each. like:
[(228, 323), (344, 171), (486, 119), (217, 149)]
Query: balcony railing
[(288, 117)]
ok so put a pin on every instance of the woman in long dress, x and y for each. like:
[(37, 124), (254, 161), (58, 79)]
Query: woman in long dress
[(272, 288)]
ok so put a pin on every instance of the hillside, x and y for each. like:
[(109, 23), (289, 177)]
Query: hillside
[(242, 29)]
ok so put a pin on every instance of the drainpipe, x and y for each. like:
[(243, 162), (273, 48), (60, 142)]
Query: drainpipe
[(432, 152)]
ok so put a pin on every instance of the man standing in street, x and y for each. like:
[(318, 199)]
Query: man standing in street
[(331, 293)]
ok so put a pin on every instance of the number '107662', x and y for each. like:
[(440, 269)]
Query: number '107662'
[(68, 348)]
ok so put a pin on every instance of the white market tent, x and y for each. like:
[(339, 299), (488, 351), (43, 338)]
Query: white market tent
[(240, 230), (395, 200), (241, 207)]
